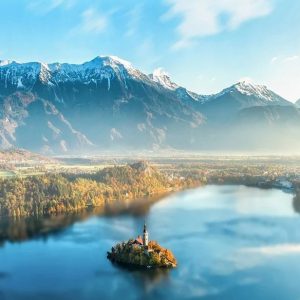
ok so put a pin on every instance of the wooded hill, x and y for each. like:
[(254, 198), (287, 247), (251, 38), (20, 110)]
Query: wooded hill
[(51, 194)]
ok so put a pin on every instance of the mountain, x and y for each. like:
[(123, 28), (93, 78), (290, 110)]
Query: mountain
[(163, 78), (186, 96), (102, 103), (240, 96), (297, 103), (108, 104), (14, 157)]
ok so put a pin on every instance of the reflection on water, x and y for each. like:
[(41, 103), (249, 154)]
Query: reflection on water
[(146, 280), (231, 242), (296, 202), (23, 228)]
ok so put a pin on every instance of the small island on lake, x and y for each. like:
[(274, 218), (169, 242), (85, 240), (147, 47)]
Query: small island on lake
[(142, 252)]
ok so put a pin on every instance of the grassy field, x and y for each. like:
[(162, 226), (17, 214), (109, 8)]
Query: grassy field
[(24, 171), (5, 174)]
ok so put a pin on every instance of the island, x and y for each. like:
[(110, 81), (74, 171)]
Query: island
[(142, 253)]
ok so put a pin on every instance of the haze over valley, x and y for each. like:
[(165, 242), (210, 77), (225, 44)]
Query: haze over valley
[(108, 104), (149, 150)]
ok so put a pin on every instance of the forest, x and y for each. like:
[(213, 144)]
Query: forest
[(57, 193)]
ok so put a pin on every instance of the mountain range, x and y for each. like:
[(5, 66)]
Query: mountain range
[(107, 104)]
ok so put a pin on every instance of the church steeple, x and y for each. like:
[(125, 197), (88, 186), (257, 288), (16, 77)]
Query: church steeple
[(145, 236)]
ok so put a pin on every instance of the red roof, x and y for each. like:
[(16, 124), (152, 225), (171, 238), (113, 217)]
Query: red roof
[(139, 241)]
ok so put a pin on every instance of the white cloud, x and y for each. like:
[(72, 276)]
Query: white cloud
[(45, 6), (200, 18), (284, 76), (134, 17), (274, 59), (91, 22), (284, 59), (147, 48), (281, 249), (256, 256), (291, 58)]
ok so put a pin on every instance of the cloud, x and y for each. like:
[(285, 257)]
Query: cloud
[(46, 6), (147, 48), (291, 58), (256, 256), (284, 76), (134, 17), (274, 59), (200, 18), (91, 22), (284, 59), (281, 249)]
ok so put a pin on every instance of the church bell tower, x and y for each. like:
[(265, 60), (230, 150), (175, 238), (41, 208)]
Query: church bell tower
[(145, 236)]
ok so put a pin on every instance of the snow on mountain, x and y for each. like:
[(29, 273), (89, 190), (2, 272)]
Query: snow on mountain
[(107, 102), (254, 94), (98, 65), (5, 62), (162, 77), (100, 68), (105, 68), (250, 89), (298, 103), (13, 74)]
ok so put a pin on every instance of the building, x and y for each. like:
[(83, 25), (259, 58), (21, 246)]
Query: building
[(142, 241), (145, 236)]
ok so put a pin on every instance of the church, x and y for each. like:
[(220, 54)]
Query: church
[(142, 240), (142, 252)]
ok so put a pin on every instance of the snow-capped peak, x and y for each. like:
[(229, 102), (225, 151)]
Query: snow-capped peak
[(247, 80), (101, 68), (121, 61), (5, 62), (247, 87), (160, 76), (109, 60), (259, 94), (160, 72)]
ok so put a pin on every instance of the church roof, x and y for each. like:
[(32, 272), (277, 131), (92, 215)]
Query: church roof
[(138, 240)]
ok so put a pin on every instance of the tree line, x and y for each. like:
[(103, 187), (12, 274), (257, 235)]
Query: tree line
[(57, 193)]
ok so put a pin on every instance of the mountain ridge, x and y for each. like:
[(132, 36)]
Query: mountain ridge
[(108, 103), (159, 76)]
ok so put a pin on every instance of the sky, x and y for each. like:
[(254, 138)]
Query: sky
[(204, 45)]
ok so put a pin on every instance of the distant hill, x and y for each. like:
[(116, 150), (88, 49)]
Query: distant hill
[(56, 193), (20, 156), (107, 104)]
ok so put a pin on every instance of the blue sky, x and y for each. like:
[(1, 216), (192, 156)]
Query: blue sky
[(205, 45)]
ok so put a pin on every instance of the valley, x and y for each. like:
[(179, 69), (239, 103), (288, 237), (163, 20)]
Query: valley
[(72, 184)]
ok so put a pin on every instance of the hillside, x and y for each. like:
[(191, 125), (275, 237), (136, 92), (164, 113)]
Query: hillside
[(107, 103), (21, 156), (53, 194)]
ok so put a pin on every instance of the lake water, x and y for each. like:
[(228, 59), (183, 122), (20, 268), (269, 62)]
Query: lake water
[(231, 242)]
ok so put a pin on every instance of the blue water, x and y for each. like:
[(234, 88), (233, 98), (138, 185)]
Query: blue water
[(231, 242)]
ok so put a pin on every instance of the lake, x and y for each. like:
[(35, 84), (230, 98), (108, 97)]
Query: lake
[(231, 242)]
